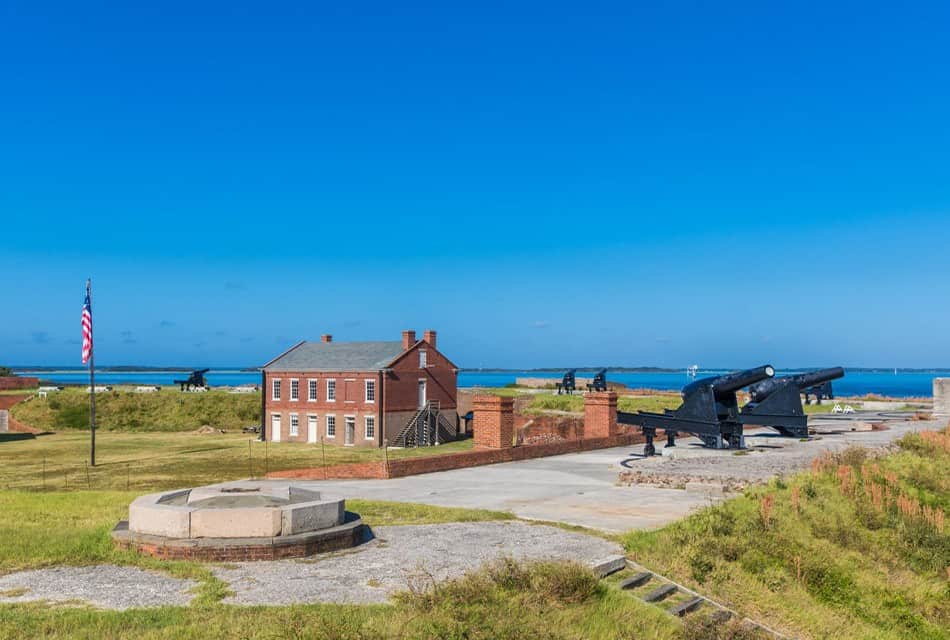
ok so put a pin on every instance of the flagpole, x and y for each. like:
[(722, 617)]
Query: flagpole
[(92, 387)]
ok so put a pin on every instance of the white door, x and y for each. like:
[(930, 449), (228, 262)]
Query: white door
[(275, 428), (311, 429), (422, 393), (350, 430)]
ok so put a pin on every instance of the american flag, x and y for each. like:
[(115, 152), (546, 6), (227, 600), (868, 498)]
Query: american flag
[(86, 329)]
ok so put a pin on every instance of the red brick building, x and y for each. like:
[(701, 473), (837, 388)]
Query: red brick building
[(361, 393)]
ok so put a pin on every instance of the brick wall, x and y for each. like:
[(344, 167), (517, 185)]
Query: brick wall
[(402, 381), (463, 459), (18, 382), (600, 414), (355, 470), (547, 428), (350, 402), (494, 422)]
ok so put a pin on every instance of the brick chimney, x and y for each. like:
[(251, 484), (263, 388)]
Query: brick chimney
[(408, 339), (326, 337), (429, 336)]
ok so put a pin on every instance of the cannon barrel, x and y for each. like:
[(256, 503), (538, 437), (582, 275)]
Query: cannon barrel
[(762, 390), (731, 382), (821, 376)]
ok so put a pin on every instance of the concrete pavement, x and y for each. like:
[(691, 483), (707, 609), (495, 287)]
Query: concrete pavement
[(575, 488)]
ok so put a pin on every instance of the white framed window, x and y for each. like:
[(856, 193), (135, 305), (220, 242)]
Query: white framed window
[(275, 389), (422, 359), (294, 425), (370, 427), (294, 390), (312, 427), (331, 426), (331, 390), (311, 390), (369, 390), (275, 427)]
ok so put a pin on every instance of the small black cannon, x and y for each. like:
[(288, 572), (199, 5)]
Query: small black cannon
[(820, 391), (710, 411), (777, 402), (599, 383), (196, 379), (567, 384)]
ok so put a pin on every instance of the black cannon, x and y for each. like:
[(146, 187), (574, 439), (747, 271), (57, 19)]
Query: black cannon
[(599, 383), (710, 411), (196, 379), (820, 391), (567, 384), (777, 402)]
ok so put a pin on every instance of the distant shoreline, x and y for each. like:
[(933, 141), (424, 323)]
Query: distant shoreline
[(178, 369)]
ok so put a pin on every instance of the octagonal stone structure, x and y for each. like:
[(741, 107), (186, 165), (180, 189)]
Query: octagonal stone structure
[(250, 519)]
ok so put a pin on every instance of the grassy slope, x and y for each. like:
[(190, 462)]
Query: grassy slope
[(836, 567), (167, 460), (125, 410)]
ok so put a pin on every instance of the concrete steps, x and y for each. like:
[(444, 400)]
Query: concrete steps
[(675, 599)]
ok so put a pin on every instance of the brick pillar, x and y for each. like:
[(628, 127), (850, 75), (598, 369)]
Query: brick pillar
[(494, 422), (4, 421), (600, 414), (941, 397)]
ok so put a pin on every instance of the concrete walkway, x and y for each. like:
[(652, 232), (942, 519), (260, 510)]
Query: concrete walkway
[(575, 488), (583, 488)]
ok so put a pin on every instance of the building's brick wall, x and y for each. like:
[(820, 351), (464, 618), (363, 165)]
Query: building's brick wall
[(600, 414), (494, 422), (395, 422), (350, 401), (18, 382), (397, 397), (402, 381)]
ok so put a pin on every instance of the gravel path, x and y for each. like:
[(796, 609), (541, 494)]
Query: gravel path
[(767, 456), (402, 555), (367, 574), (104, 586)]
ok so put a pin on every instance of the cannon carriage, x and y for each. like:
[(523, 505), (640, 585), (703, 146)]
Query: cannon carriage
[(194, 381), (710, 409), (777, 402)]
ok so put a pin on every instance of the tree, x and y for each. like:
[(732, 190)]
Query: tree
[(5, 371)]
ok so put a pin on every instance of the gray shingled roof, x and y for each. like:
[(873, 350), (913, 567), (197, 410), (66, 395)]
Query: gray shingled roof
[(337, 356)]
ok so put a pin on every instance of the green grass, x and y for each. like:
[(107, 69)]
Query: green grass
[(544, 402), (153, 461), (72, 528), (506, 600), (124, 410), (503, 601), (838, 566)]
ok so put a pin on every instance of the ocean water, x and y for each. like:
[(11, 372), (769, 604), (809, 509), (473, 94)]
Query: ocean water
[(901, 384)]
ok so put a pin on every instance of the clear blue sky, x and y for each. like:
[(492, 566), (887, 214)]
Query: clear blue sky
[(544, 184)]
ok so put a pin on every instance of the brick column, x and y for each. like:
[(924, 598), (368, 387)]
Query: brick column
[(494, 422), (4, 421), (600, 414)]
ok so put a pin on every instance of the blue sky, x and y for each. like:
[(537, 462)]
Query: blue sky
[(544, 184)]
